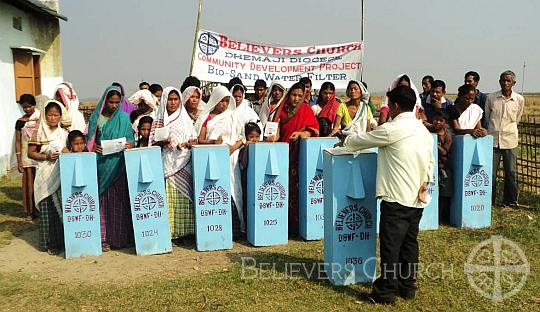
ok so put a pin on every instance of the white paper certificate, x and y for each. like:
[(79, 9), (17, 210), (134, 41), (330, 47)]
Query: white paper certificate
[(270, 129), (161, 134), (113, 146)]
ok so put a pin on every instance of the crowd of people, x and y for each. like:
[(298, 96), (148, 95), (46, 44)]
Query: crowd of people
[(51, 126)]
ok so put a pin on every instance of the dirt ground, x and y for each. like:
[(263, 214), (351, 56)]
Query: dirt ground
[(116, 266)]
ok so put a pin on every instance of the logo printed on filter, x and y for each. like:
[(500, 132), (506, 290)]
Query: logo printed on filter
[(350, 220), (213, 195), (80, 207), (79, 203), (316, 184), (148, 200), (271, 194), (208, 44), (476, 178)]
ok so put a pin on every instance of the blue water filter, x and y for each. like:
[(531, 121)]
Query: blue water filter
[(350, 217), (472, 164), (80, 205), (268, 194), (149, 211), (212, 197), (311, 186), (430, 216)]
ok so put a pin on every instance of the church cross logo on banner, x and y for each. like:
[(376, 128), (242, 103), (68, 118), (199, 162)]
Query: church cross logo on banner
[(208, 43)]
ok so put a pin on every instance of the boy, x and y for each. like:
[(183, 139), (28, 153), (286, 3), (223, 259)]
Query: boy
[(444, 146), (145, 124), (76, 142), (253, 134), (435, 100), (260, 93)]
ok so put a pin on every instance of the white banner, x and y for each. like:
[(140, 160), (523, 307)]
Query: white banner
[(219, 58)]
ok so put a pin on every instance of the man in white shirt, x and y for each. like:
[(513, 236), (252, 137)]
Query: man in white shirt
[(503, 112), (404, 167)]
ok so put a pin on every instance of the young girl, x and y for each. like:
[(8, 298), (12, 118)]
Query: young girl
[(109, 122), (145, 124), (354, 116), (47, 143), (253, 135), (327, 104), (218, 125), (26, 165), (270, 105), (76, 142)]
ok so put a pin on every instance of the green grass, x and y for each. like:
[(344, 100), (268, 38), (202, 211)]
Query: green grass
[(446, 248)]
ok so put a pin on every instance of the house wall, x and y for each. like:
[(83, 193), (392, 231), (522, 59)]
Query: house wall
[(38, 32)]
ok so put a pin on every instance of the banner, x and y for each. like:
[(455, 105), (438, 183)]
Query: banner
[(219, 58)]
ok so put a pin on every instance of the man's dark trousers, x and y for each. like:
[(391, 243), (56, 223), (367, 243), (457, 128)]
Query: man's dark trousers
[(398, 233)]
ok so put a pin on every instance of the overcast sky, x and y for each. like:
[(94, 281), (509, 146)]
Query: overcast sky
[(132, 40)]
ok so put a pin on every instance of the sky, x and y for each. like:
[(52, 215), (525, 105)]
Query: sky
[(132, 40)]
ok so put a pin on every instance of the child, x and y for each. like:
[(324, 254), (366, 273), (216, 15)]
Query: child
[(25, 165), (325, 126), (144, 126), (444, 145), (253, 134), (76, 142)]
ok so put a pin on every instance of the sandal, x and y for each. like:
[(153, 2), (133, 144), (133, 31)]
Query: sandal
[(105, 247)]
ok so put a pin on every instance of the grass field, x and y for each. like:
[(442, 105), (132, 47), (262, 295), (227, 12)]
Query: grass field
[(443, 285)]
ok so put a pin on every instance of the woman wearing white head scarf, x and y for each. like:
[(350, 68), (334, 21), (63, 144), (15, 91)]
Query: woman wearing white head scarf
[(218, 125), (400, 80), (243, 113), (270, 105), (147, 103), (192, 102), (176, 156), (355, 115), (65, 94), (47, 143)]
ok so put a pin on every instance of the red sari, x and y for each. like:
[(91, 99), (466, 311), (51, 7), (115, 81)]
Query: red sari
[(303, 120)]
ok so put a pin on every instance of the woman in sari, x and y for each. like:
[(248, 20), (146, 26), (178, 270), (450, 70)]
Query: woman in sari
[(66, 95), (176, 156), (218, 125), (47, 143), (296, 120), (126, 106), (355, 115), (192, 103), (108, 122), (147, 105), (465, 115), (243, 113), (327, 104), (400, 80), (270, 105)]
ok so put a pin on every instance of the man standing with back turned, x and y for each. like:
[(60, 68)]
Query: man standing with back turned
[(404, 168)]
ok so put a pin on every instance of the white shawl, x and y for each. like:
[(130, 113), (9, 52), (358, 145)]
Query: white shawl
[(65, 93), (226, 126), (470, 117)]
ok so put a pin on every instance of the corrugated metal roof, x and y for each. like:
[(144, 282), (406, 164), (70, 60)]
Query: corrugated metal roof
[(37, 7)]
